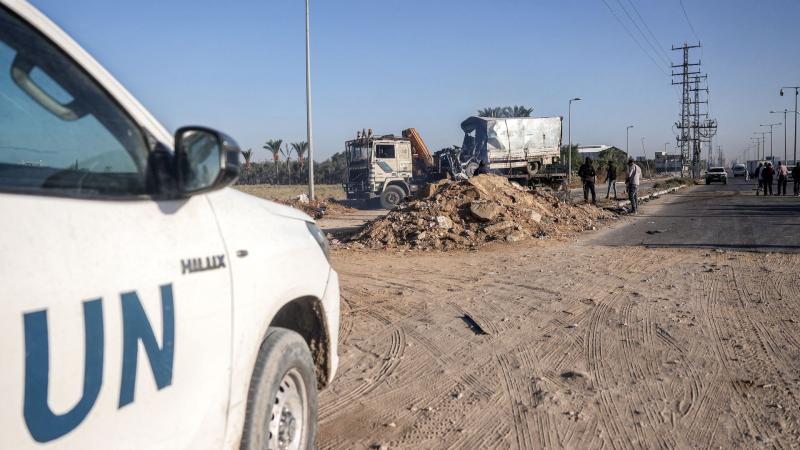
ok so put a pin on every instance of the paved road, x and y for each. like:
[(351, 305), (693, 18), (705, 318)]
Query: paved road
[(717, 216)]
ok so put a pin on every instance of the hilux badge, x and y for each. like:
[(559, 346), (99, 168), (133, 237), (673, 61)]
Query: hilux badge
[(202, 264)]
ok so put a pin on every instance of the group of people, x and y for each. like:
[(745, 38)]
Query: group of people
[(633, 178), (766, 174)]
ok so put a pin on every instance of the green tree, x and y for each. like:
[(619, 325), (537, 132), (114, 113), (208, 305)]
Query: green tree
[(300, 149), (505, 111), (287, 153), (614, 156), (274, 146), (247, 155), (566, 155)]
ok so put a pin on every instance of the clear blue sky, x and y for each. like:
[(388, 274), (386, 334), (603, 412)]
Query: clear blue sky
[(393, 64)]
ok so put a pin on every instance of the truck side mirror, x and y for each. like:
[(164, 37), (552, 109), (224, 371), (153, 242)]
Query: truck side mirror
[(205, 160)]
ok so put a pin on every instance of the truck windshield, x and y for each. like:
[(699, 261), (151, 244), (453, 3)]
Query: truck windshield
[(358, 153)]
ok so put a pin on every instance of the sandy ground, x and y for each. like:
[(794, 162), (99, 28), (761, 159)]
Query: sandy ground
[(566, 345)]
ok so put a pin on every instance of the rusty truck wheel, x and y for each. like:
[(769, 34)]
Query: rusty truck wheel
[(392, 196)]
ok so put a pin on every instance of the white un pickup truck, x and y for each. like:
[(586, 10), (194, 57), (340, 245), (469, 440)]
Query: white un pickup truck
[(144, 305)]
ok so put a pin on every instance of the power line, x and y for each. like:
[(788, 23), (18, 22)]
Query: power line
[(660, 68), (688, 21), (650, 31), (666, 61)]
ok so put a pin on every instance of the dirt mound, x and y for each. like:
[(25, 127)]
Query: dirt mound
[(317, 208), (467, 214)]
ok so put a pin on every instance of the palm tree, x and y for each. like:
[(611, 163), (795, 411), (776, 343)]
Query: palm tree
[(521, 111), (300, 148), (247, 154), (505, 111), (275, 147), (491, 112), (287, 153)]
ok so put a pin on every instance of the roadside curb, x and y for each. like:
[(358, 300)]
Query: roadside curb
[(652, 195)]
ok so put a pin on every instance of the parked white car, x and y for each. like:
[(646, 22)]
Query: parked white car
[(144, 305)]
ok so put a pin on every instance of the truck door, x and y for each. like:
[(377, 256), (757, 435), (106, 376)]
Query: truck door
[(115, 320), (386, 158)]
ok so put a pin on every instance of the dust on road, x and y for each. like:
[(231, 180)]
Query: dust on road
[(551, 345)]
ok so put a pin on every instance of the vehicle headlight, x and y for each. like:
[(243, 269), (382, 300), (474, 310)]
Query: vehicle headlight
[(319, 236)]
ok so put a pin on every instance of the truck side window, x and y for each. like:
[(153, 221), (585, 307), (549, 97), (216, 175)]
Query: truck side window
[(384, 151), (61, 133)]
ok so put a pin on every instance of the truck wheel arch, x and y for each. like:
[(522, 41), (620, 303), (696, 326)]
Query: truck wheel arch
[(305, 317), (401, 183)]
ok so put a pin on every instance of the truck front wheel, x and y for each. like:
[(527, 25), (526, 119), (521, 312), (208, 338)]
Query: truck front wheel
[(392, 196)]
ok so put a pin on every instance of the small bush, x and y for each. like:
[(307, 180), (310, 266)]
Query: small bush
[(673, 182)]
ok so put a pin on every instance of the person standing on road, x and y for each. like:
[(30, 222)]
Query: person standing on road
[(768, 173), (796, 177), (611, 179), (759, 177), (588, 176), (632, 183), (783, 177)]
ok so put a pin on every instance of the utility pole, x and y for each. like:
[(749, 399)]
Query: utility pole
[(710, 161), (627, 137), (569, 134), (646, 164), (785, 155), (770, 125), (684, 124), (762, 144), (309, 128), (796, 88)]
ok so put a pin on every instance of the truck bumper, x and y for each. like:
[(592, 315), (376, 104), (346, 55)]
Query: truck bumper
[(358, 191)]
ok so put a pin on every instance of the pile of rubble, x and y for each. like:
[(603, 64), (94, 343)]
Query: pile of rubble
[(316, 208), (468, 214)]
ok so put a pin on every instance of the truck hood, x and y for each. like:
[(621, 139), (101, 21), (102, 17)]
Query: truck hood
[(252, 202)]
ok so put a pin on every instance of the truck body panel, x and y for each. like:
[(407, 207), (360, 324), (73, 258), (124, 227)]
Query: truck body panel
[(510, 143)]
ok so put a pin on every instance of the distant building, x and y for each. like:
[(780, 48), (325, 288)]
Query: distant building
[(665, 162), (592, 151)]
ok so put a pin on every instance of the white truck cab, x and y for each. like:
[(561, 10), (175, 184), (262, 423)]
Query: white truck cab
[(144, 304)]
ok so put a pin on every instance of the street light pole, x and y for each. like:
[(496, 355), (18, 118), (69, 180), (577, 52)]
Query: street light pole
[(309, 133), (796, 88), (569, 149), (785, 155), (770, 125), (627, 138), (758, 147)]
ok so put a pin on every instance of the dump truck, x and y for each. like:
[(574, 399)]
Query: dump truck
[(388, 168)]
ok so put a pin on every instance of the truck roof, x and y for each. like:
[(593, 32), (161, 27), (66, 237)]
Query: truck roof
[(385, 137)]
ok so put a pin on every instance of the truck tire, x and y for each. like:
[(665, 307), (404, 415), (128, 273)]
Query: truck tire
[(471, 168), (282, 401), (392, 196)]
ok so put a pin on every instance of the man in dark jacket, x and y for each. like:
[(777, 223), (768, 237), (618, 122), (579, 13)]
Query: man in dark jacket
[(768, 173), (588, 176), (611, 179), (796, 177)]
